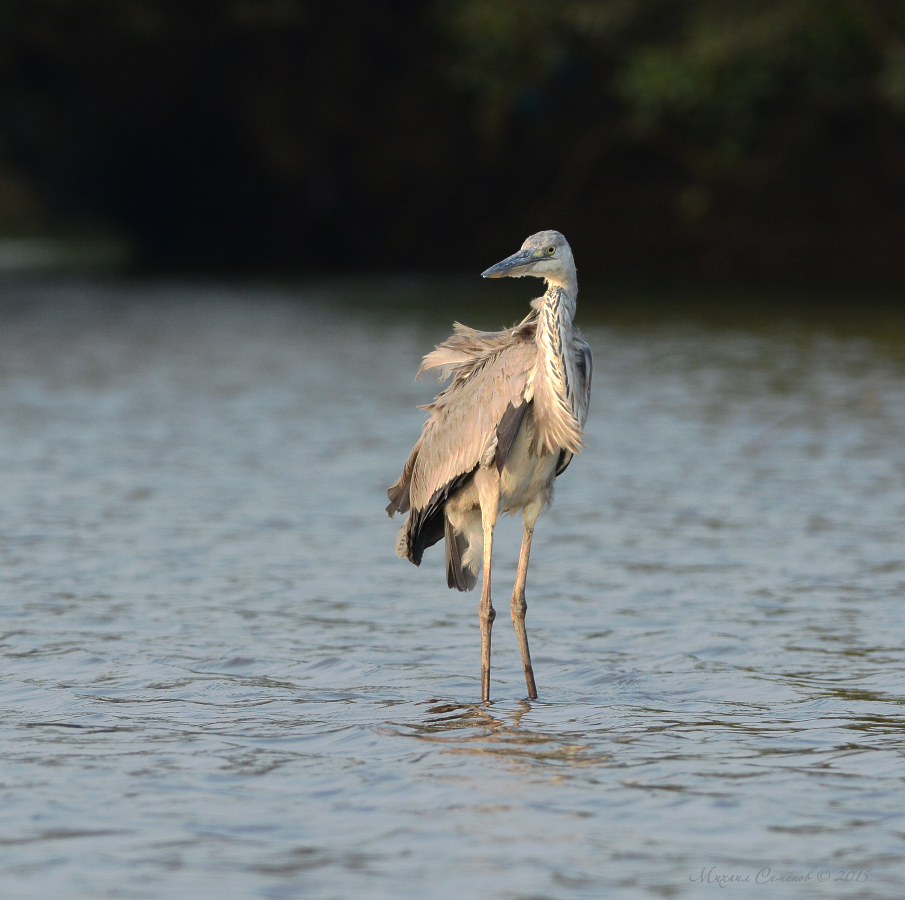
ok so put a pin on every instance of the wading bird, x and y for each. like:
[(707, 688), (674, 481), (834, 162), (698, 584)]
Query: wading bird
[(498, 435)]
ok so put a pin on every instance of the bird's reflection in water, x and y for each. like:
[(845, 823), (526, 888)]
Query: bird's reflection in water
[(484, 729)]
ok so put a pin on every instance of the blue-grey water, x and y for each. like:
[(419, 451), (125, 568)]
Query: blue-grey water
[(218, 681)]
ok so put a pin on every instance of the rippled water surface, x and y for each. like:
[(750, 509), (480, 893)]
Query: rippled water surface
[(219, 681)]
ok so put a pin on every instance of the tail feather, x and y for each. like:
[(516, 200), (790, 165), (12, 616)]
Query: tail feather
[(461, 563), (402, 541)]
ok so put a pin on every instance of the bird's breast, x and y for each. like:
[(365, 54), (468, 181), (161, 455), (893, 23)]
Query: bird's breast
[(527, 475)]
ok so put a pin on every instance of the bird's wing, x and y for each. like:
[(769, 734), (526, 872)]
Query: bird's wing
[(467, 344), (459, 355), (584, 367), (475, 419)]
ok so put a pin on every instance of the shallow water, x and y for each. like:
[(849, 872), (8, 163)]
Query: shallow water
[(219, 681)]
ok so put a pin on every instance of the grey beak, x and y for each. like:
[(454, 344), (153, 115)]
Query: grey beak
[(511, 265)]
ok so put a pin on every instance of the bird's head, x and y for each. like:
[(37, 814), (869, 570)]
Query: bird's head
[(546, 254)]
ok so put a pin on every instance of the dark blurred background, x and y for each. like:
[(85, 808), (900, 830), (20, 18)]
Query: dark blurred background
[(752, 139)]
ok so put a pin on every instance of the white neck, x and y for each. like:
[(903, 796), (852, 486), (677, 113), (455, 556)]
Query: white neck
[(554, 335), (556, 378)]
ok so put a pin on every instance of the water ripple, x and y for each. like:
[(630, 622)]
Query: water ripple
[(218, 680)]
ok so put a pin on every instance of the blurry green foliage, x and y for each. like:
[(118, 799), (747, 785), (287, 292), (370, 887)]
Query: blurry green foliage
[(716, 136), (722, 76)]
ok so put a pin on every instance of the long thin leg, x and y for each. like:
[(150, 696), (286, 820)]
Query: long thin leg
[(519, 607), (487, 614), (487, 482)]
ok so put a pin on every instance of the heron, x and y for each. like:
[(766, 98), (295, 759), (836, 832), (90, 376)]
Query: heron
[(498, 435)]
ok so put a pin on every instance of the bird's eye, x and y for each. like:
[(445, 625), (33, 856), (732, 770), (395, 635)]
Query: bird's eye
[(551, 250)]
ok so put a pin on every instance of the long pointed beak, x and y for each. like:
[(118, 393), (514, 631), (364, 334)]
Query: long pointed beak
[(517, 264)]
